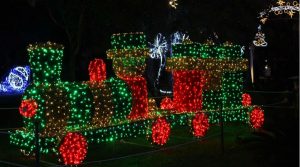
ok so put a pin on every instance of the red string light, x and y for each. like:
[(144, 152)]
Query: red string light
[(246, 99), (200, 125), (97, 70), (73, 148), (166, 104), (138, 87), (160, 131), (188, 86), (28, 108), (257, 118)]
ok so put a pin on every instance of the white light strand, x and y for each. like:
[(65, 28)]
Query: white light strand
[(159, 47), (284, 7), (242, 50), (259, 39), (165, 91), (173, 3), (158, 50)]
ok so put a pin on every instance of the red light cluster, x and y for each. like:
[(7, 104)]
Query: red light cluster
[(257, 118), (166, 104), (97, 70), (138, 87), (73, 148), (187, 89), (28, 108), (160, 131), (200, 125), (246, 99)]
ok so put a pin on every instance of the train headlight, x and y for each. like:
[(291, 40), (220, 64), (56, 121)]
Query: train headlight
[(28, 108)]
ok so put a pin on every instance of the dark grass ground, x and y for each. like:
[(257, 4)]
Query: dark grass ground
[(276, 145), (242, 148)]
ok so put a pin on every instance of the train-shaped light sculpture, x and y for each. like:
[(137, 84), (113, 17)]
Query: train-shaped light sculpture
[(71, 115)]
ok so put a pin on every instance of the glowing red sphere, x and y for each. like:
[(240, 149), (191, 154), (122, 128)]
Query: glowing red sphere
[(160, 131), (28, 108), (257, 118), (246, 99), (73, 148), (200, 125)]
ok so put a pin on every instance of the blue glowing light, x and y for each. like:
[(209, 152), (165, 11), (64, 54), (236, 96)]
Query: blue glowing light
[(16, 81), (178, 38)]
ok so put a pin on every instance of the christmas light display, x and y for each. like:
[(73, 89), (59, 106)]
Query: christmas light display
[(28, 108), (192, 70), (45, 61), (152, 105), (71, 115), (165, 91), (187, 90), (138, 87), (159, 47), (122, 98), (158, 50), (289, 8), (178, 38), (16, 81), (188, 50), (112, 102), (131, 69), (200, 125), (283, 7), (97, 70), (232, 87), (166, 104), (134, 40), (257, 118), (259, 39), (73, 149), (173, 3), (160, 131), (246, 99)]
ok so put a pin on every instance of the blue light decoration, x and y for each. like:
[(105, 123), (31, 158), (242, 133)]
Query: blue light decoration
[(16, 81), (178, 38), (159, 49)]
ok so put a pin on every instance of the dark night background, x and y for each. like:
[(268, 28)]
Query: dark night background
[(85, 27)]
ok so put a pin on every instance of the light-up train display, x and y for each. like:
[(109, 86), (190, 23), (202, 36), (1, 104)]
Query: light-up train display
[(73, 115)]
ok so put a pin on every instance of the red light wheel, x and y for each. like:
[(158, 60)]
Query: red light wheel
[(73, 148), (160, 131), (257, 118), (28, 108), (200, 125)]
